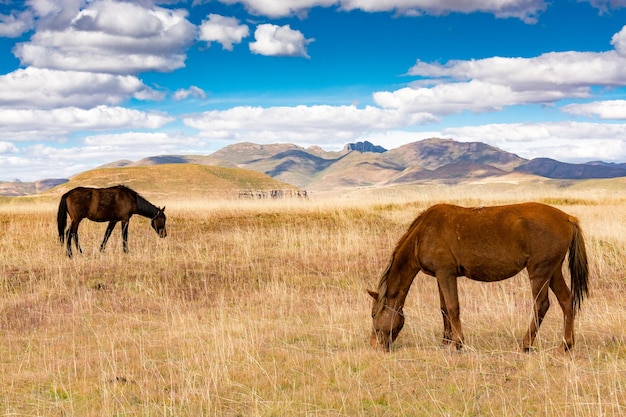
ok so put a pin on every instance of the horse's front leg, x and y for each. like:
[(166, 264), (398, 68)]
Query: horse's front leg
[(107, 234), (447, 327), (539, 287), (125, 235), (449, 293)]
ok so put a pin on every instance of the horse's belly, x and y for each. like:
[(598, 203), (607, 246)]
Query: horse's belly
[(490, 272)]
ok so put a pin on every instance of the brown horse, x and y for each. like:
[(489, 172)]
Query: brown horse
[(113, 204), (484, 244)]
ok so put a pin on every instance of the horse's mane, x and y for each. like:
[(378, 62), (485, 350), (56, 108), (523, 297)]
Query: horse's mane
[(144, 207), (382, 284)]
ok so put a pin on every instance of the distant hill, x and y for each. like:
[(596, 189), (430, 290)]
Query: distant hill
[(435, 153), (191, 181), (18, 188), (360, 164), (169, 159), (550, 168), (365, 164), (434, 159)]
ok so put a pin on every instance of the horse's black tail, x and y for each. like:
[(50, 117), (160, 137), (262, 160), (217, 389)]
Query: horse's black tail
[(578, 266), (62, 217)]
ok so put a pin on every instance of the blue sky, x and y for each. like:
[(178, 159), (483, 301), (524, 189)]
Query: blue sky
[(87, 82)]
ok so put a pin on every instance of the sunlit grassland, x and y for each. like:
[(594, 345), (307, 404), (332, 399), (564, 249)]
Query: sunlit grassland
[(258, 308)]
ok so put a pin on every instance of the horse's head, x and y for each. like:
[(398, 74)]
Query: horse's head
[(386, 322), (158, 223)]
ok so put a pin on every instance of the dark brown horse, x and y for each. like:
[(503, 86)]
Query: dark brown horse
[(114, 204), (484, 244)]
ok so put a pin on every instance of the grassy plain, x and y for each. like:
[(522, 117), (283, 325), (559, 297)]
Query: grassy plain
[(258, 308)]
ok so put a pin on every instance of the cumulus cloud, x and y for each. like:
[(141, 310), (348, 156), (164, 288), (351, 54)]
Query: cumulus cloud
[(526, 10), (475, 96), (44, 88), (192, 91), (15, 24), (490, 84), (564, 141), (554, 70), (281, 8), (619, 41), (604, 6), (306, 124), (111, 37), (224, 30), (609, 109), (7, 148), (54, 124), (273, 40), (54, 162)]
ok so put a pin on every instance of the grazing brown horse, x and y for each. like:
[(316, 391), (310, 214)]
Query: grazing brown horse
[(484, 244), (113, 204)]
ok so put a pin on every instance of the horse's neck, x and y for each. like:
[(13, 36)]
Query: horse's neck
[(145, 208), (402, 272)]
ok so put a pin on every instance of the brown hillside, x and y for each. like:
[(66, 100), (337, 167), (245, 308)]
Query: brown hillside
[(458, 171), (246, 153), (434, 153), (356, 169), (176, 180)]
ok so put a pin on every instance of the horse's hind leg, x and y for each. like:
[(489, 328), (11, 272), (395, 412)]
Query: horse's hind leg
[(72, 233), (540, 308), (107, 234), (447, 326), (125, 235), (68, 242), (566, 301)]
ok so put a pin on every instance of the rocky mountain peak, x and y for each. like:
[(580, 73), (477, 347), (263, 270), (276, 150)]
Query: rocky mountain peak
[(364, 147)]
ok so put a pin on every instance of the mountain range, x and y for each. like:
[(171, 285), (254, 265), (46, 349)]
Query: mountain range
[(363, 164)]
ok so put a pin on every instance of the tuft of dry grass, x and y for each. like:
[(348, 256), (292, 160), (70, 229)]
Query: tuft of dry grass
[(258, 308)]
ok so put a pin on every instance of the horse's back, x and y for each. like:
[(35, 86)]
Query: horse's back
[(492, 243), (101, 204)]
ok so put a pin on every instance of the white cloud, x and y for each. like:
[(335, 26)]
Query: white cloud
[(281, 8), (487, 85), (224, 30), (112, 37), (564, 141), (275, 40), (619, 41), (56, 124), (192, 91), (561, 71), (606, 5), (300, 124), (474, 96), (15, 24), (526, 10), (7, 148), (43, 88), (93, 151), (609, 109)]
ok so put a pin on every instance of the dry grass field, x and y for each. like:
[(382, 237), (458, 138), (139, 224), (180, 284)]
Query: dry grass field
[(259, 308)]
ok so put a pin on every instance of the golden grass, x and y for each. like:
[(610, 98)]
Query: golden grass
[(258, 308)]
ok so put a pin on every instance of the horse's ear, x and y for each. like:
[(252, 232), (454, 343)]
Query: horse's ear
[(373, 294), (163, 209)]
